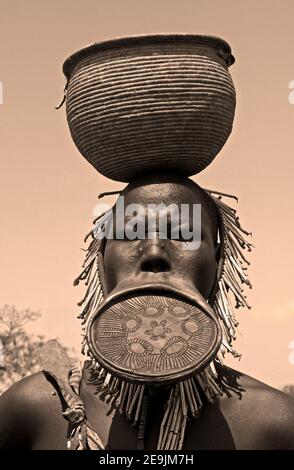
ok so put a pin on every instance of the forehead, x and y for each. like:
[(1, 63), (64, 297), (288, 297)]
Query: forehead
[(163, 193), (168, 193)]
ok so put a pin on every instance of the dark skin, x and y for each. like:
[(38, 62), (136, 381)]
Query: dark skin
[(251, 416)]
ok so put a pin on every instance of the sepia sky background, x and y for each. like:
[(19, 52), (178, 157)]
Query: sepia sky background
[(48, 191)]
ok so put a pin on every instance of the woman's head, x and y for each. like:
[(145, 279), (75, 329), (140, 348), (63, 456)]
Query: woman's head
[(169, 258)]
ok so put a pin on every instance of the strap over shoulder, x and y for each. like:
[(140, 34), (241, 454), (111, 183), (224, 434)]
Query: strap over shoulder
[(55, 362), (67, 376)]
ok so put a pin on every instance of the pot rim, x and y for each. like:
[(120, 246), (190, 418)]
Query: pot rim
[(143, 39)]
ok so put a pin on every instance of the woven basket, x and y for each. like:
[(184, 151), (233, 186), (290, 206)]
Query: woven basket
[(142, 103)]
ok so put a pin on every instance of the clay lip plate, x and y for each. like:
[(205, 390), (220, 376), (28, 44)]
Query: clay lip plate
[(153, 334)]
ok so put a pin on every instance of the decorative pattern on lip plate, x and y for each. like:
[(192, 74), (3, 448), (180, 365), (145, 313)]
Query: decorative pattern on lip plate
[(152, 336)]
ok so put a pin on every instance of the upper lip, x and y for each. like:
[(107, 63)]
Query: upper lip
[(147, 276)]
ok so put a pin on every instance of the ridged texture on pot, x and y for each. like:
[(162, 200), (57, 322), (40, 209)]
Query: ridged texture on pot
[(137, 106)]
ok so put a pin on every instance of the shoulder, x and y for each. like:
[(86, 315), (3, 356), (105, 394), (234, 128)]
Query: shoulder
[(24, 407), (273, 402), (264, 409)]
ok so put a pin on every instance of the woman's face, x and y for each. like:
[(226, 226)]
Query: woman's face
[(154, 259)]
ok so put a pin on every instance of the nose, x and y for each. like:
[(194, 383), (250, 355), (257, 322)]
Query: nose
[(154, 257)]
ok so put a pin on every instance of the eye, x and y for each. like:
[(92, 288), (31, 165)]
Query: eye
[(185, 233)]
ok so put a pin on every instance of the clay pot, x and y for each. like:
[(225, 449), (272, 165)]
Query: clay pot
[(143, 103)]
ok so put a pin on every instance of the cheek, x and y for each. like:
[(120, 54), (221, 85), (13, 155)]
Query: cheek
[(119, 261), (200, 266)]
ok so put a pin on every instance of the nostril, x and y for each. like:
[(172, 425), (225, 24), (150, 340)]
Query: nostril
[(155, 265)]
